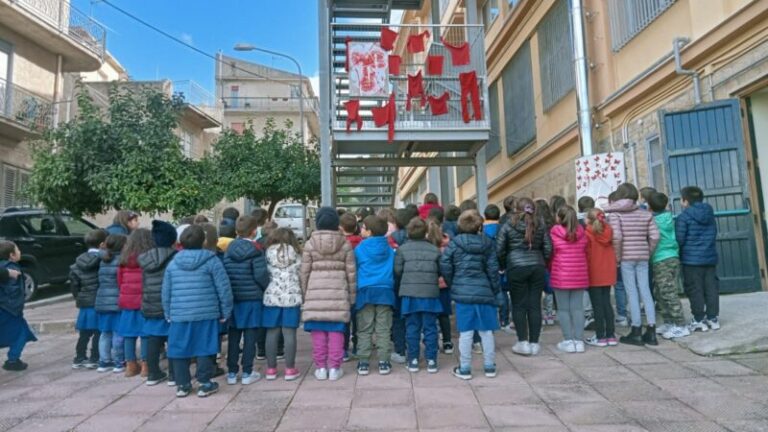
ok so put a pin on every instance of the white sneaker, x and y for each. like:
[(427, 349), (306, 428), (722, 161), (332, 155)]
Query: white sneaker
[(477, 348), (588, 321), (695, 326), (622, 321), (522, 348), (535, 349), (397, 358), (508, 329), (676, 332), (660, 330), (250, 378), (579, 346), (594, 341), (321, 374), (231, 378), (335, 374), (567, 346), (714, 324)]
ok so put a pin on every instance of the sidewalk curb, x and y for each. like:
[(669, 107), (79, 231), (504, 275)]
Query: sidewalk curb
[(47, 302), (42, 327)]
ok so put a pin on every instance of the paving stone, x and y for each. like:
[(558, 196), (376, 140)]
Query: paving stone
[(607, 374), (641, 357), (139, 404), (589, 413), (520, 415), (592, 358), (609, 428), (746, 425), (752, 387), (697, 426), (554, 393), (311, 418), (658, 411), (78, 406), (444, 397), (382, 397), (256, 420), (248, 401), (106, 422), (637, 391), (678, 354), (59, 423), (6, 423), (336, 398), (532, 429), (382, 418), (396, 380), (552, 376), (662, 372), (513, 395), (459, 417), (444, 378), (720, 368), (757, 364), (506, 377), (178, 421)]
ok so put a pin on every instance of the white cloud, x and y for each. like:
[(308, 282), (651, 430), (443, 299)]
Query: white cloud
[(187, 38)]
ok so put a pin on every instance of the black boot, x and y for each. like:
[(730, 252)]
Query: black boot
[(650, 335), (635, 337)]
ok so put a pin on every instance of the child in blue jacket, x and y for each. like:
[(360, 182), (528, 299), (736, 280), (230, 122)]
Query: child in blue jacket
[(14, 330)]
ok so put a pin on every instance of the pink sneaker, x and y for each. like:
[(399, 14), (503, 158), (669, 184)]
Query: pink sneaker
[(271, 374), (292, 374), (612, 341)]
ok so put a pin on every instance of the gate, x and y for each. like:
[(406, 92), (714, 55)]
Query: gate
[(704, 147)]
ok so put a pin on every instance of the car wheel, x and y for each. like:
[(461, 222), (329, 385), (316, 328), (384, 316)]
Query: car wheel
[(30, 285)]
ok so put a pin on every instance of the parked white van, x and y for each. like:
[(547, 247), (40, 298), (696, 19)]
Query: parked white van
[(295, 216)]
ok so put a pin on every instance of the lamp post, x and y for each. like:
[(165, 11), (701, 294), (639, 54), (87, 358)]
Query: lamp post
[(250, 47)]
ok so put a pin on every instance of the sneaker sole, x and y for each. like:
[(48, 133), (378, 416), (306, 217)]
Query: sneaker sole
[(202, 394), (292, 377), (364, 373), (450, 351), (385, 372), (490, 375), (182, 395), (524, 354), (462, 377), (432, 371), (270, 377)]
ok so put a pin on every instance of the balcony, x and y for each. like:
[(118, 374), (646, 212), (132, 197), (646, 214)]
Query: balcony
[(58, 27), (197, 97), (23, 113), (270, 104)]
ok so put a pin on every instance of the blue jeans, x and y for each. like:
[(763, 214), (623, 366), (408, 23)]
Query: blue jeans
[(465, 349), (398, 333), (635, 277), (130, 348), (621, 295), (416, 323), (111, 348)]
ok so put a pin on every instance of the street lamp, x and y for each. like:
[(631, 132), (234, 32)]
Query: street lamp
[(250, 47)]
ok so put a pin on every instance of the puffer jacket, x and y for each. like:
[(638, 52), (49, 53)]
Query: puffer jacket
[(424, 210), (569, 259), (667, 247), (129, 279), (697, 235), (397, 238), (109, 291), (601, 257), (470, 267), (247, 269), (84, 279), (417, 269), (635, 234), (284, 289), (153, 263), (451, 228), (11, 290), (375, 261), (328, 277), (196, 287), (514, 251)]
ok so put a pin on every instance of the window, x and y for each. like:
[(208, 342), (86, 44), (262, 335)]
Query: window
[(42, 225), (289, 212), (629, 17), (186, 143), (555, 55), (656, 163), (75, 227), (519, 114), (493, 147), (15, 181), (490, 12), (463, 173), (234, 96), (295, 91), (513, 3), (5, 76)]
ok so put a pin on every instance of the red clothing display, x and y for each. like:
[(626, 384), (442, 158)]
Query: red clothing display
[(459, 53), (416, 42), (415, 88), (435, 65), (470, 89), (385, 115), (388, 38), (353, 114), (394, 64), (439, 105)]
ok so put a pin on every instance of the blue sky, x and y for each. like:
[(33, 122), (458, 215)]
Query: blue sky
[(288, 26)]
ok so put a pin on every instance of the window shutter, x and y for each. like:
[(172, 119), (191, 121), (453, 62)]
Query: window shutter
[(9, 186)]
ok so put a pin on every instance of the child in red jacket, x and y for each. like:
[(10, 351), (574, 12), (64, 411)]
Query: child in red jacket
[(602, 262), (129, 280)]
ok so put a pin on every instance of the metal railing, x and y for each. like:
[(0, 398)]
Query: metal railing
[(630, 17), (418, 118), (22, 106), (266, 103), (70, 21), (195, 94)]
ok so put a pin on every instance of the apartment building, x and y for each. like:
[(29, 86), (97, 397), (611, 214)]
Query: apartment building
[(698, 117), (40, 41)]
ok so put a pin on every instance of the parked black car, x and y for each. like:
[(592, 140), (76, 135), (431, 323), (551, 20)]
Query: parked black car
[(49, 244)]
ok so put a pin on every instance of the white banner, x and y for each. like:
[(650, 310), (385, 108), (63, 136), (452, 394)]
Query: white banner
[(368, 70), (598, 175)]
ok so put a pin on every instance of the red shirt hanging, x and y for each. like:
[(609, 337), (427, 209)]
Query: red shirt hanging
[(415, 89), (439, 105), (435, 65), (388, 38), (459, 53), (416, 42), (385, 115), (394, 64), (353, 114)]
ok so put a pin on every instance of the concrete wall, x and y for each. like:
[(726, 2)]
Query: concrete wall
[(34, 68), (760, 124)]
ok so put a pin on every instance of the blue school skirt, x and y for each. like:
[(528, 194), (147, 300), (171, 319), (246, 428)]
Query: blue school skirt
[(131, 323), (275, 316), (108, 321), (87, 319), (193, 339), (247, 314), (326, 326), (11, 326), (155, 327), (411, 305), (480, 317), (445, 301)]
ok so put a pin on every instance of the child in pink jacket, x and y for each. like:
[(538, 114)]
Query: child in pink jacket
[(570, 277)]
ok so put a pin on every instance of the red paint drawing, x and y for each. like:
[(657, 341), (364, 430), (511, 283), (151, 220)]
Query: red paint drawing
[(597, 183), (368, 70)]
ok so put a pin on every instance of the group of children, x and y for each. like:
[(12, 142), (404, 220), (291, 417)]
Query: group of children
[(388, 282)]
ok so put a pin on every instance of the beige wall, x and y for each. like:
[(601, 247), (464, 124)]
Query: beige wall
[(34, 68)]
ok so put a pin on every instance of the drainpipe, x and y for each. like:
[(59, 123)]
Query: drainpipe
[(581, 67), (677, 44), (56, 93)]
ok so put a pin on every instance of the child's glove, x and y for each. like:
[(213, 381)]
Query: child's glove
[(500, 299)]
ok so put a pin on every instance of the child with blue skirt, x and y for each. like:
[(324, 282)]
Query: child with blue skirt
[(111, 349), (14, 330), (130, 281), (84, 283)]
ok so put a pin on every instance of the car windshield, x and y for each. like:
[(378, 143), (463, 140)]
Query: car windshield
[(76, 227), (289, 212)]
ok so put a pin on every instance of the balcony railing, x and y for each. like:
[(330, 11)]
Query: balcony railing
[(265, 103), (22, 106), (70, 21), (197, 95)]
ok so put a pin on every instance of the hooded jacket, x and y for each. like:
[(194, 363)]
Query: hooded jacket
[(397, 238), (635, 234), (417, 269), (109, 291), (450, 228), (84, 279), (470, 267), (514, 251), (129, 279), (153, 263), (697, 235), (569, 259), (11, 290), (328, 277), (424, 210), (196, 287), (375, 280), (246, 267), (354, 240), (601, 257), (284, 289), (667, 247)]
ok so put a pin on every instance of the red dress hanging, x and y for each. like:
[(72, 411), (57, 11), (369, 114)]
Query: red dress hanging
[(353, 114), (415, 89), (435, 65), (416, 42), (385, 115), (439, 105), (394, 64), (459, 53), (388, 38), (470, 90)]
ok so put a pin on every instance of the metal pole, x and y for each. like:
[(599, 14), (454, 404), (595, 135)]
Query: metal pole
[(326, 170), (580, 67), (481, 176)]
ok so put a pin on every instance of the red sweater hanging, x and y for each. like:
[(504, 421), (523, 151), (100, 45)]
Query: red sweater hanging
[(435, 65), (385, 115), (459, 53), (439, 105), (388, 38), (415, 88), (353, 114), (470, 89), (394, 64), (416, 42)]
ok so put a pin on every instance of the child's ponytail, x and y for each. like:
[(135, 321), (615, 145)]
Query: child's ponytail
[(434, 232), (566, 217), (596, 219), (526, 210)]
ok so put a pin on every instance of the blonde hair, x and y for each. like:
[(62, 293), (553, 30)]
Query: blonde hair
[(596, 219)]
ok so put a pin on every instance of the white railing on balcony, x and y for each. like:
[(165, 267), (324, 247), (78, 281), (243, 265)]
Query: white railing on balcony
[(70, 21), (267, 103), (417, 118), (195, 94), (22, 106)]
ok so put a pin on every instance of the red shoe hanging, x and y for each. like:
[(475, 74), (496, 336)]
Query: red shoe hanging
[(416, 42), (470, 89), (439, 105), (459, 53), (415, 89), (353, 114), (385, 115), (388, 38)]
